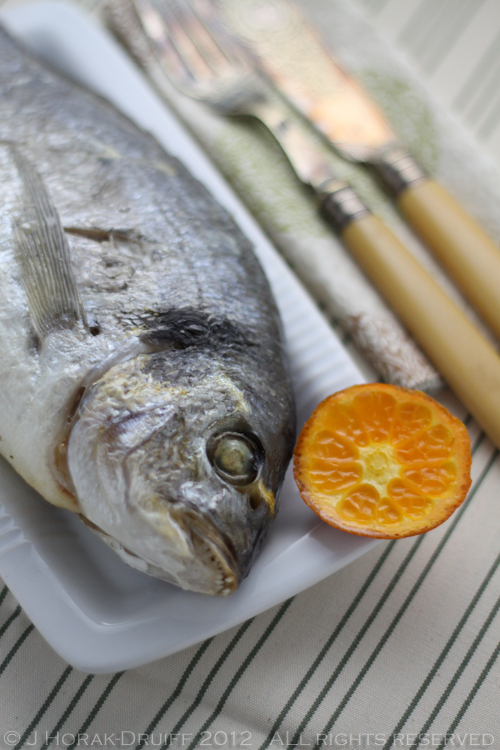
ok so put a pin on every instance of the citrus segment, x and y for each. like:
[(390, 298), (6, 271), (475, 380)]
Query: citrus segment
[(388, 513), (347, 424), (432, 444), (411, 418), (432, 480), (412, 503), (331, 446), (328, 476), (375, 411), (382, 461), (360, 503)]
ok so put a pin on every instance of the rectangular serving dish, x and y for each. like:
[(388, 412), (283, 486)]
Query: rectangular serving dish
[(96, 612)]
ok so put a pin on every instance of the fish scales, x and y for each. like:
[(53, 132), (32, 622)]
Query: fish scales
[(143, 379)]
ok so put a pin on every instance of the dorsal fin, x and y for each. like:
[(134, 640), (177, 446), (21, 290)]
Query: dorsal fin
[(44, 257)]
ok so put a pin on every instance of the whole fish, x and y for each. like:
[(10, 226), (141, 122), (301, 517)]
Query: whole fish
[(143, 382)]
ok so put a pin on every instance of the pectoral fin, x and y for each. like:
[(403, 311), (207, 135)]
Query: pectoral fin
[(44, 256)]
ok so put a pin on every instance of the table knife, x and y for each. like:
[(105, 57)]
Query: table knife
[(293, 55)]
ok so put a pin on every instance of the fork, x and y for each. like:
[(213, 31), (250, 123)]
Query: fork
[(205, 62)]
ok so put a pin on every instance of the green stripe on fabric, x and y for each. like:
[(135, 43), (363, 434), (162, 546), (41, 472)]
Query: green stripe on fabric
[(180, 685), (482, 101), (415, 588), (331, 640), (480, 439), (442, 656), (97, 707), (490, 122), (434, 28), (465, 705), (15, 648), (239, 672), (206, 684), (3, 594), (478, 75), (419, 22), (451, 30), (62, 679), (10, 619), (463, 664), (361, 633), (51, 735)]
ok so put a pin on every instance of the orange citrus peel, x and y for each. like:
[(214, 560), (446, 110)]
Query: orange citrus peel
[(382, 461)]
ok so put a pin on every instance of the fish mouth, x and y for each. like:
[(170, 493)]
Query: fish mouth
[(215, 565), (213, 569)]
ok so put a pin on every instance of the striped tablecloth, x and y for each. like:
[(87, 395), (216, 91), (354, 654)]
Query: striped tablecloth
[(398, 649)]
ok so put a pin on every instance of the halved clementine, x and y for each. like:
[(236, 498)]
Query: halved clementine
[(382, 461)]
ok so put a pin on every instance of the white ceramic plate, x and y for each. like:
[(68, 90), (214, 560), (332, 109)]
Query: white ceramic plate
[(97, 613)]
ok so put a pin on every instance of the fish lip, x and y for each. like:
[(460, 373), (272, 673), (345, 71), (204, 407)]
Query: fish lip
[(219, 553), (208, 540)]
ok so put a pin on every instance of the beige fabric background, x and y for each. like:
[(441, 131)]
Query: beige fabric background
[(398, 649)]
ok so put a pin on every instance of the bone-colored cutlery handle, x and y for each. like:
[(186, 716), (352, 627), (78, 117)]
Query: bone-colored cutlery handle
[(471, 258), (463, 356)]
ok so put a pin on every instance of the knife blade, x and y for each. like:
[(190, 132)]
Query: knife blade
[(293, 55)]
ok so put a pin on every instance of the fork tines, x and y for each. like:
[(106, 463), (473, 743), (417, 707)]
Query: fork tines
[(189, 39)]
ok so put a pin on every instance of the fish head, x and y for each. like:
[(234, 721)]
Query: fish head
[(180, 475)]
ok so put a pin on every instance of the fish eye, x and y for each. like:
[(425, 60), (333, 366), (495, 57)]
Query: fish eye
[(235, 457)]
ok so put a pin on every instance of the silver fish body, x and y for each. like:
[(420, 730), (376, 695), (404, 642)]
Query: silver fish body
[(143, 382)]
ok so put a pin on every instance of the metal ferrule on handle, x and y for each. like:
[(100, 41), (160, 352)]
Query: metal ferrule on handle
[(398, 170), (341, 204), (470, 257)]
